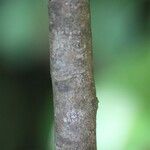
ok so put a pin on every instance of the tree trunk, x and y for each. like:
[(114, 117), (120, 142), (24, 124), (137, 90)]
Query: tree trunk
[(75, 102)]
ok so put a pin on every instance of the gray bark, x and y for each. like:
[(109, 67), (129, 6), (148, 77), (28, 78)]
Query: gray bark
[(75, 102)]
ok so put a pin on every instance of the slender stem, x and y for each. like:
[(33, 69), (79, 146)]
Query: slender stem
[(75, 102)]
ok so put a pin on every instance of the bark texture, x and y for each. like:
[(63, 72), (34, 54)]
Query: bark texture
[(75, 102)]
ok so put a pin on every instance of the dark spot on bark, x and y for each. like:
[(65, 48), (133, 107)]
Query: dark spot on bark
[(61, 141), (56, 8), (68, 21), (62, 86), (80, 63)]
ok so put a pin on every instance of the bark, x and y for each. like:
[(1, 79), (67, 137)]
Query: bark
[(75, 102)]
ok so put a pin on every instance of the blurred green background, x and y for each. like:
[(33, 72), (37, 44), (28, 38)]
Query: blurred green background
[(121, 48)]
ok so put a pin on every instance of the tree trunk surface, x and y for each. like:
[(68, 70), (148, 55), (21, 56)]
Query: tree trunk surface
[(75, 102)]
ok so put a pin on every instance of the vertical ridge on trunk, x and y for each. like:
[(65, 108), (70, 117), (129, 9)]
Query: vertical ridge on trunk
[(75, 102)]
